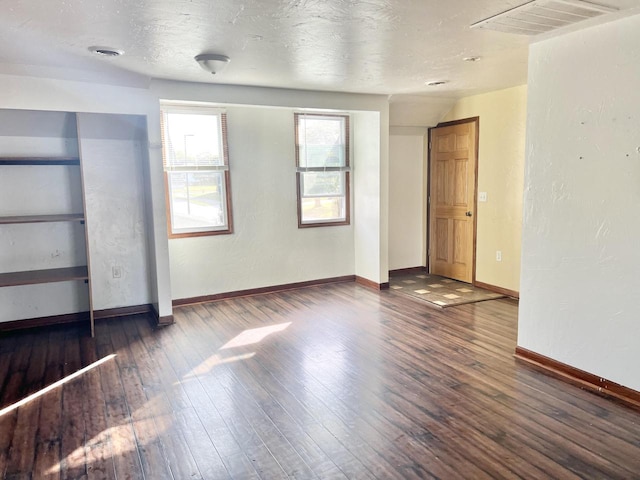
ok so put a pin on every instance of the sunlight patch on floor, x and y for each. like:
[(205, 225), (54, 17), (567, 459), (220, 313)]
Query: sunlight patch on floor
[(55, 385), (215, 360), (254, 335)]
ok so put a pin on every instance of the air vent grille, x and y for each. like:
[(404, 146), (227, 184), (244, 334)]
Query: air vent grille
[(540, 16)]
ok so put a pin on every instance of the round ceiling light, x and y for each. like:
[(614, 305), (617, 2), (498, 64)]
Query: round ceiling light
[(471, 59), (106, 51), (212, 62), (436, 83)]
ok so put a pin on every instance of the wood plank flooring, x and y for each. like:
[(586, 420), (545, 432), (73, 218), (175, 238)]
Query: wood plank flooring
[(329, 382)]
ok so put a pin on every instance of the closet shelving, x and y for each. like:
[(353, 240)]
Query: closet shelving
[(38, 272)]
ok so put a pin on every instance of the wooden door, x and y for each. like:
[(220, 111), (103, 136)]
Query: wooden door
[(452, 200)]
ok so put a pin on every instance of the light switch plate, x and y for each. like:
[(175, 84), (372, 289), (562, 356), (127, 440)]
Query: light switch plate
[(482, 196), (116, 272)]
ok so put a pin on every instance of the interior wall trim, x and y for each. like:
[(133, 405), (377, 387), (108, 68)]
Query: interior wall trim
[(161, 321), (500, 290), (122, 311), (77, 317), (580, 378), (261, 290), (365, 282), (403, 271), (44, 321)]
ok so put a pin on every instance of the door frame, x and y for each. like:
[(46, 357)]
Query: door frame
[(475, 120)]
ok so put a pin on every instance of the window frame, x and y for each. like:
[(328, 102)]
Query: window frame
[(166, 108), (346, 169)]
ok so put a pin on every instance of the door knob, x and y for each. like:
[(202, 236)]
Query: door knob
[(468, 214)]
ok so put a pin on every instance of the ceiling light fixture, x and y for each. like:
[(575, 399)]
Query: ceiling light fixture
[(212, 62), (471, 59), (436, 83), (106, 51)]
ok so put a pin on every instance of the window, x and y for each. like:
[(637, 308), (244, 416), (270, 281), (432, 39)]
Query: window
[(196, 165), (322, 160)]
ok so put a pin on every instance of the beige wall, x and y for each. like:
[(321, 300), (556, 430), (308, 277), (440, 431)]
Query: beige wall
[(500, 174)]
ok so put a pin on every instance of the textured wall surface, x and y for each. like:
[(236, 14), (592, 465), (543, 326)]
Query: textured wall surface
[(112, 157), (267, 247), (33, 190), (21, 92), (262, 144), (500, 174), (113, 152), (407, 208), (580, 262), (371, 186), (418, 111)]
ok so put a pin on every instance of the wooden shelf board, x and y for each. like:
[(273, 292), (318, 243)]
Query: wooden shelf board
[(34, 277), (72, 217), (39, 161)]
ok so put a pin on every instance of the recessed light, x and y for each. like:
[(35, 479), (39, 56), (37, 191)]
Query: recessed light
[(436, 83), (106, 51), (471, 59)]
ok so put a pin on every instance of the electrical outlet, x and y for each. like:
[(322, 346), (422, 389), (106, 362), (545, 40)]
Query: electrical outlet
[(498, 256), (116, 272), (482, 196)]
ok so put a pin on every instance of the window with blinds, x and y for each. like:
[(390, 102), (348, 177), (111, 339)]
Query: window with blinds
[(322, 173), (196, 165)]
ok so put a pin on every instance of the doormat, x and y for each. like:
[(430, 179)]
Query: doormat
[(439, 291)]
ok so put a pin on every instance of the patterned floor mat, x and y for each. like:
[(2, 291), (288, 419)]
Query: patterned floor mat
[(439, 291)]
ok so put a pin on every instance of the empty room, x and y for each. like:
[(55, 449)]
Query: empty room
[(383, 239)]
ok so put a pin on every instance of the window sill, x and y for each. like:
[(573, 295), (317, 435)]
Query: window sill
[(200, 234), (324, 224)]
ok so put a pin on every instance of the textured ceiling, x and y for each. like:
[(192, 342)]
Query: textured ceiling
[(369, 46)]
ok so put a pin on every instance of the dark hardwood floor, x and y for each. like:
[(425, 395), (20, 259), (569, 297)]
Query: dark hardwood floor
[(335, 381)]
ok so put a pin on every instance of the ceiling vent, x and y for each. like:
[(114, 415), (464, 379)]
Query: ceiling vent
[(540, 16)]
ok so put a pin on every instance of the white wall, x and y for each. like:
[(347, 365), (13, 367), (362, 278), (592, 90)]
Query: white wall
[(113, 151), (580, 242), (370, 207), (410, 117), (267, 248), (325, 252), (407, 207), (22, 93), (44, 190), (418, 110)]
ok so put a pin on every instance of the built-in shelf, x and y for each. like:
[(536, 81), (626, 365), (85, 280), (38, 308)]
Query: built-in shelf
[(39, 161), (52, 275), (49, 146), (72, 217)]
